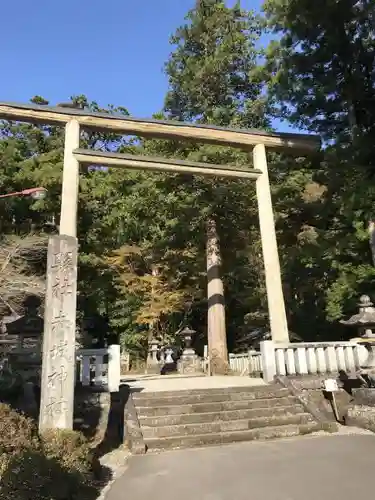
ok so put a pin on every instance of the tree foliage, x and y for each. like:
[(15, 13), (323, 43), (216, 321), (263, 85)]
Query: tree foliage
[(320, 74), (142, 236)]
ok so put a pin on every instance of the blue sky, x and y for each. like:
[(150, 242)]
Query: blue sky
[(113, 51)]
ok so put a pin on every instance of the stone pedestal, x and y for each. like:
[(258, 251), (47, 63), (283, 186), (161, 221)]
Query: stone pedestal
[(168, 356), (58, 366), (370, 363), (190, 364), (168, 365), (367, 370)]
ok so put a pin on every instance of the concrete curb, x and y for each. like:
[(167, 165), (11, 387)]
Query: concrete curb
[(116, 469)]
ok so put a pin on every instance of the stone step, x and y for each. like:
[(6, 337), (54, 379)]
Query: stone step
[(225, 416), (192, 441), (139, 394), (212, 407), (179, 398), (168, 431)]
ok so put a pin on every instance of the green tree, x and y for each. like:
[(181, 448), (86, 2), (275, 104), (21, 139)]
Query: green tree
[(323, 65), (213, 79), (165, 215), (33, 156), (211, 72), (321, 78)]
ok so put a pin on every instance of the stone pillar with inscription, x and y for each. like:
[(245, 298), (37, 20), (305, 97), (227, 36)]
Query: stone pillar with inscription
[(58, 366)]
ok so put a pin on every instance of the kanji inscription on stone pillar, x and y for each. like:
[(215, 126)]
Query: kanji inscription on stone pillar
[(58, 369)]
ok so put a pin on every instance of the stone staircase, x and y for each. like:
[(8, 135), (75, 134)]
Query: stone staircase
[(191, 418)]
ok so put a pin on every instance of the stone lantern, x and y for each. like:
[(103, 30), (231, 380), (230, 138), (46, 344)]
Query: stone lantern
[(189, 362), (187, 334), (28, 330), (364, 321), (152, 358)]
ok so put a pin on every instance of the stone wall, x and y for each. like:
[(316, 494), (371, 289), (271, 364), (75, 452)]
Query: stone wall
[(361, 411), (309, 389), (100, 416)]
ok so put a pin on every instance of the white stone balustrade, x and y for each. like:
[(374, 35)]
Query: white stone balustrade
[(305, 358), (99, 367), (247, 363)]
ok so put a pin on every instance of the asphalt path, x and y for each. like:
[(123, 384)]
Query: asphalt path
[(306, 468)]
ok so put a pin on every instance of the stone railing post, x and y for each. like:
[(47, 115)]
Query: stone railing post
[(267, 350), (114, 368)]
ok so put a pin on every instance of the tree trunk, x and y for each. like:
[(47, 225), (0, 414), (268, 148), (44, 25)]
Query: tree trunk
[(371, 233), (152, 365), (216, 331)]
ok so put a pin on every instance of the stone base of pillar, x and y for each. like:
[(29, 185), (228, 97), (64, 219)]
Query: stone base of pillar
[(219, 364), (369, 366), (153, 368), (189, 363)]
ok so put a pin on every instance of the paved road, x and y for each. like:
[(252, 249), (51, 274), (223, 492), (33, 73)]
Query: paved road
[(309, 468)]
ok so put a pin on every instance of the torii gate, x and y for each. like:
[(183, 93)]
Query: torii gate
[(58, 412)]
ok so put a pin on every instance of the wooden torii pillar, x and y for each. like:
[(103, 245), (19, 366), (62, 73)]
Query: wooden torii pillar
[(75, 119)]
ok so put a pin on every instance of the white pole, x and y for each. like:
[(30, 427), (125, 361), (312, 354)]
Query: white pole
[(69, 196), (275, 296), (114, 368)]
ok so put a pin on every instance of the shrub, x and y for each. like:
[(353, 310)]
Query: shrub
[(70, 449), (17, 433), (54, 466)]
